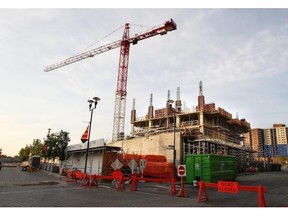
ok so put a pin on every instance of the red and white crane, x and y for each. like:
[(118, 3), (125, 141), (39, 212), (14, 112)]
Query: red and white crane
[(124, 44)]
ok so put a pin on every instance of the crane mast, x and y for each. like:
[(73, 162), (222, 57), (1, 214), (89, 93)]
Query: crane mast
[(120, 97), (124, 44)]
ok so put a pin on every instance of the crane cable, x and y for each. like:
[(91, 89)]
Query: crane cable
[(100, 39), (138, 25)]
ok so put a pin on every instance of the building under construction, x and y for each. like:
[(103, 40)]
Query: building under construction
[(174, 131)]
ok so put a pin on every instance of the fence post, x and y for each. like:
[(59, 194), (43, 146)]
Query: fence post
[(202, 188), (261, 199), (172, 187)]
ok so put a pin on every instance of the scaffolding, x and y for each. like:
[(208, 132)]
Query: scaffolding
[(212, 146), (204, 129)]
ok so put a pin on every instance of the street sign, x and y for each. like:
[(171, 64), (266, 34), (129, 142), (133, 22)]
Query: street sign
[(132, 164), (227, 186), (142, 163), (170, 147), (181, 170), (116, 164)]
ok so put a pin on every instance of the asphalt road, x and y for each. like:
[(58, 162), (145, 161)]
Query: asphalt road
[(42, 189)]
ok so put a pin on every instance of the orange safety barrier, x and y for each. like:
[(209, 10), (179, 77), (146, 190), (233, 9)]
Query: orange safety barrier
[(173, 187), (79, 175), (135, 179), (71, 177), (63, 172), (231, 187), (156, 165), (159, 169), (117, 177), (182, 192), (91, 180)]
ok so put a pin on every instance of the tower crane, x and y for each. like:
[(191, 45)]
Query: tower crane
[(124, 44)]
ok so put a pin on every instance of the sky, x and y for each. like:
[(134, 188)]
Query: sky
[(240, 55)]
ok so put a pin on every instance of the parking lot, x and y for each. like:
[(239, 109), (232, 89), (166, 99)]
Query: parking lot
[(43, 189)]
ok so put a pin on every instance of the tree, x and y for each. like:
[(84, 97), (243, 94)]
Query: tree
[(31, 149), (62, 142), (51, 143), (36, 148), (24, 153), (55, 145)]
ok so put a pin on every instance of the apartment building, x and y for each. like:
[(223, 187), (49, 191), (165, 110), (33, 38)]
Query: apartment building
[(269, 142)]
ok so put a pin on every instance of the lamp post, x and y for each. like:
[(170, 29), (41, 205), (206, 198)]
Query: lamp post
[(91, 102), (170, 102)]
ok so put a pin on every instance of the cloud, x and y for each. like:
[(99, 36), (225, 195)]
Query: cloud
[(241, 70)]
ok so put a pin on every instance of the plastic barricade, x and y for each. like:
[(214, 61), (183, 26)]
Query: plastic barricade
[(231, 187)]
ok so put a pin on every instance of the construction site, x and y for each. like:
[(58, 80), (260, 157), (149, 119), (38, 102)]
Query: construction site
[(175, 132), (172, 131)]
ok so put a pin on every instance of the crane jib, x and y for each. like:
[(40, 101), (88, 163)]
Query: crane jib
[(168, 26), (120, 97)]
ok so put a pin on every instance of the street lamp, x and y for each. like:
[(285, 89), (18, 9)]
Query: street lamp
[(170, 102), (49, 129), (91, 102)]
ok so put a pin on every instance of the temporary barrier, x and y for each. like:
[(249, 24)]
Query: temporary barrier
[(116, 177), (158, 169), (89, 180), (155, 165), (181, 172), (231, 187), (71, 177), (63, 172), (182, 192), (135, 179), (119, 180)]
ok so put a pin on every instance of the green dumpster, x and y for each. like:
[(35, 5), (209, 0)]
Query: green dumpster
[(210, 168)]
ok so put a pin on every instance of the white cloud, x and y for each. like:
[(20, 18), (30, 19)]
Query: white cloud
[(240, 71)]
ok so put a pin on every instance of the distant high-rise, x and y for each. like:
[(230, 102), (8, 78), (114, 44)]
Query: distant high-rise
[(269, 142), (257, 141)]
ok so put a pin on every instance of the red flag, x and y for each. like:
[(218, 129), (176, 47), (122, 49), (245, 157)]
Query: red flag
[(84, 137)]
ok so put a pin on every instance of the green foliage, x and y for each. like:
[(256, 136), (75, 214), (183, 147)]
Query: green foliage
[(53, 147), (50, 143), (36, 148), (31, 149), (24, 153), (63, 140)]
